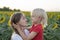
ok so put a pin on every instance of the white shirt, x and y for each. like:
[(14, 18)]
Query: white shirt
[(18, 37)]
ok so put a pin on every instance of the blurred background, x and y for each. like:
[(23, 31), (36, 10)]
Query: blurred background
[(52, 8)]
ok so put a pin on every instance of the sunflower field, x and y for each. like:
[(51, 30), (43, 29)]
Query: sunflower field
[(51, 32)]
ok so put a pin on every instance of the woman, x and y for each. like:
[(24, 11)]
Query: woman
[(18, 19)]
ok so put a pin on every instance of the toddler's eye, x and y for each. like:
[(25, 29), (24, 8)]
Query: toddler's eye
[(32, 16)]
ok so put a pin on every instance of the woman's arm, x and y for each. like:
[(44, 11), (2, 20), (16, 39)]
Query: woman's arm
[(29, 37), (23, 35)]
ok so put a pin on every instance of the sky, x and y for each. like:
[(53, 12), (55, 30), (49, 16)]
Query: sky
[(29, 5)]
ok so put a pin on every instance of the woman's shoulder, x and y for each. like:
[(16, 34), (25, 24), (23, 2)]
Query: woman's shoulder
[(16, 37), (14, 34)]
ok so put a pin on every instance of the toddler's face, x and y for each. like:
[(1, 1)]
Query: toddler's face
[(34, 18)]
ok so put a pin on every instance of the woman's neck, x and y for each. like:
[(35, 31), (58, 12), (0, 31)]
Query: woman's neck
[(23, 28)]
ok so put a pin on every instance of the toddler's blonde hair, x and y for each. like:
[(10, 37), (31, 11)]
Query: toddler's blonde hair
[(41, 13)]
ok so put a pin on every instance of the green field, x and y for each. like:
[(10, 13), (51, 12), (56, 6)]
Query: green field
[(51, 32)]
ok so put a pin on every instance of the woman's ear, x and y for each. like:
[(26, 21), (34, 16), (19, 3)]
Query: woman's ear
[(17, 23)]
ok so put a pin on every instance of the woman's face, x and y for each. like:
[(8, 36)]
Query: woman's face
[(23, 21)]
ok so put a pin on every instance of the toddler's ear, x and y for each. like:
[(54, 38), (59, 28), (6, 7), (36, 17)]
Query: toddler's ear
[(40, 17)]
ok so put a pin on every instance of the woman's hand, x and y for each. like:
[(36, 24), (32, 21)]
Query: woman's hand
[(16, 26)]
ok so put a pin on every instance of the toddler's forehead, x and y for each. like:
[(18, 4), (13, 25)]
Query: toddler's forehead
[(36, 14)]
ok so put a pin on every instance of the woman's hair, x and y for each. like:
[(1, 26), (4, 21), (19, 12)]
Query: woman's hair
[(41, 13), (15, 18)]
